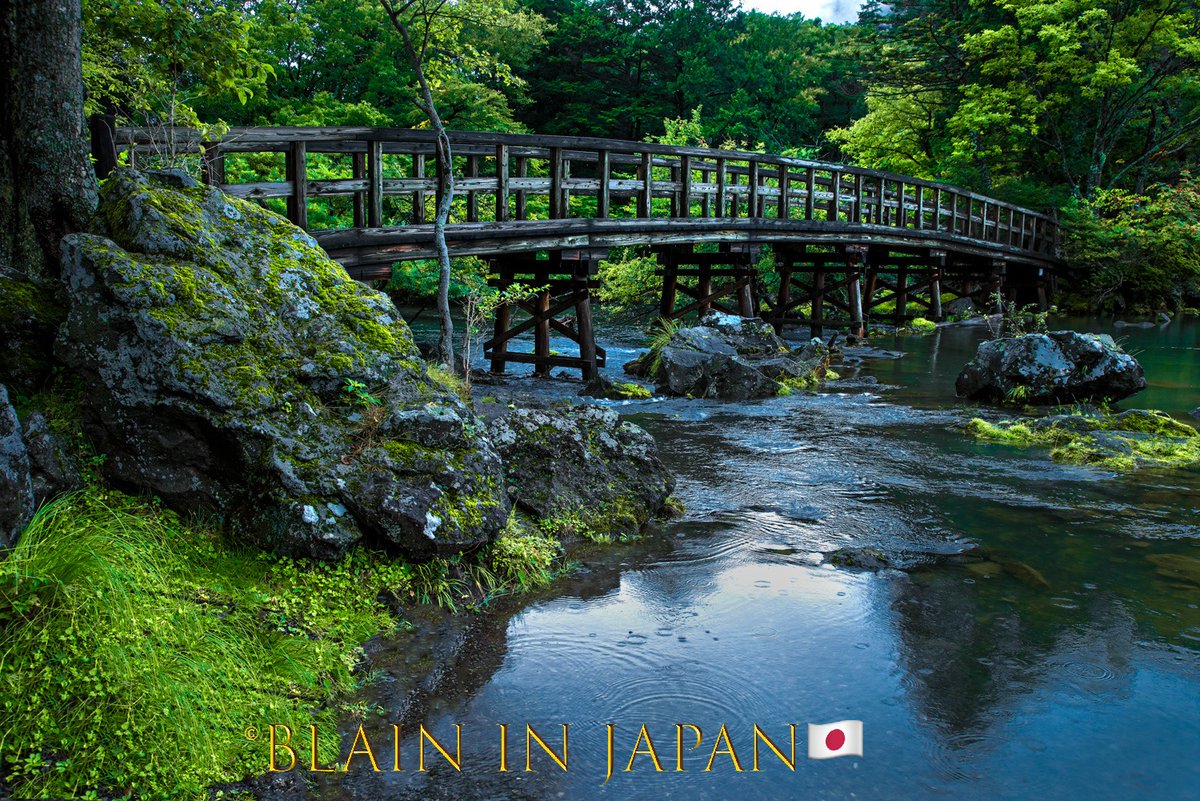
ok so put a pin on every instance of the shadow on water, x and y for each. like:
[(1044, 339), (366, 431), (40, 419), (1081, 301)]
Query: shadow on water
[(1062, 663)]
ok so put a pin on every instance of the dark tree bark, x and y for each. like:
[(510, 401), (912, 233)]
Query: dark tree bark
[(47, 187)]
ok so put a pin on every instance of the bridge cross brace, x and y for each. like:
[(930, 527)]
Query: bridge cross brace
[(834, 280), (731, 261), (565, 280)]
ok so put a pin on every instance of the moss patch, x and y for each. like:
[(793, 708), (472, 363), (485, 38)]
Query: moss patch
[(1119, 442), (919, 325), (124, 626)]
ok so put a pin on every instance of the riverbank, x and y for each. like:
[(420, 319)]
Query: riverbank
[(1072, 633)]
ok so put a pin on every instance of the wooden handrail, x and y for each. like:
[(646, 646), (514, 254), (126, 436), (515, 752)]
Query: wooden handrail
[(723, 184)]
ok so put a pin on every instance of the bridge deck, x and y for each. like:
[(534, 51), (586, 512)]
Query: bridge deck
[(517, 193)]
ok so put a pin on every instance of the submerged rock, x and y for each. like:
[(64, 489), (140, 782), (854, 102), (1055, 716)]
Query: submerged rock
[(233, 368), (601, 387), (1118, 442), (1058, 367), (733, 358), (581, 469), (16, 490), (1195, 413)]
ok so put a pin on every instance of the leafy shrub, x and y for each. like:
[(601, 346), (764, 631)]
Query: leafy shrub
[(1129, 251)]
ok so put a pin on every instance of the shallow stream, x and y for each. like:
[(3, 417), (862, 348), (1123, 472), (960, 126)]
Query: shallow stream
[(1072, 672)]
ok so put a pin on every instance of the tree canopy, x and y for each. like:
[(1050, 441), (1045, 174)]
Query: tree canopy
[(1047, 104)]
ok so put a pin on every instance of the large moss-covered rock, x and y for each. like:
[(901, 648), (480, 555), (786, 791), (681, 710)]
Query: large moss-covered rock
[(581, 469), (235, 369), (16, 491), (1058, 367), (734, 359)]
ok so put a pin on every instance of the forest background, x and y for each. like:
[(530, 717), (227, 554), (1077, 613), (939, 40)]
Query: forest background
[(1088, 108)]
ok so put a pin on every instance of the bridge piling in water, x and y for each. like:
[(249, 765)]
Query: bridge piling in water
[(732, 261), (563, 280)]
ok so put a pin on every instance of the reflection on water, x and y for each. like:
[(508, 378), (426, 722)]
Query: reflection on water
[(1063, 666)]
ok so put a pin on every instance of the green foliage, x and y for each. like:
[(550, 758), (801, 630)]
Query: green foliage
[(1026, 97), (632, 70), (1129, 250), (628, 281), (417, 280), (661, 334), (357, 392), (525, 559), (1017, 321), (123, 627), (154, 59)]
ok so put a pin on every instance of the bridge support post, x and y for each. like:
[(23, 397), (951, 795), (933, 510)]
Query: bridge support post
[(683, 261), (565, 280), (937, 260), (855, 259), (996, 285)]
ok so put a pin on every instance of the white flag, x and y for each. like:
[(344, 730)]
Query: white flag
[(843, 738)]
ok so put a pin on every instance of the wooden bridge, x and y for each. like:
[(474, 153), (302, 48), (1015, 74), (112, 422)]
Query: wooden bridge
[(544, 210)]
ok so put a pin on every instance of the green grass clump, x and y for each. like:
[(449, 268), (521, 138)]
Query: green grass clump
[(632, 391), (522, 557), (136, 648), (661, 334)]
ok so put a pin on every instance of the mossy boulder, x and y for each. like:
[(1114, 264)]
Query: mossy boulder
[(234, 369), (1056, 368), (1118, 442), (734, 359), (30, 313), (581, 470), (16, 489), (601, 387)]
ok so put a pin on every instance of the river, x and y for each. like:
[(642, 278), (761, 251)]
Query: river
[(1074, 672)]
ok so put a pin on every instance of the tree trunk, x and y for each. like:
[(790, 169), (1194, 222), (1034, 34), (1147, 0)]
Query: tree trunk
[(445, 188), (47, 186)]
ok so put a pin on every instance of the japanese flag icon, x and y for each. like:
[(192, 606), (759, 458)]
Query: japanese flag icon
[(843, 738)]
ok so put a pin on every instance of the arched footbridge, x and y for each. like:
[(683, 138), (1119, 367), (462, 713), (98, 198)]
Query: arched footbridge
[(848, 243)]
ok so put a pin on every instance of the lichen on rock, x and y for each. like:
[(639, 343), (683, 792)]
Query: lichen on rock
[(733, 359), (1057, 367), (219, 341), (581, 471)]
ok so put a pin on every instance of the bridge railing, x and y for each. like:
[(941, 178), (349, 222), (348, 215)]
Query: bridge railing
[(513, 177)]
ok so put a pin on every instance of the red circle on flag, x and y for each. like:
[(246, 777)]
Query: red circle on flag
[(835, 739)]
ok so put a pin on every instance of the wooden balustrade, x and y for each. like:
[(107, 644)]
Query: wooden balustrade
[(509, 179)]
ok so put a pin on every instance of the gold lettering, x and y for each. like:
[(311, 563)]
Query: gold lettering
[(608, 773), (650, 752), (285, 745), (759, 734), (396, 749), (455, 761), (366, 749), (530, 734), (504, 748), (314, 767), (679, 727), (723, 734)]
